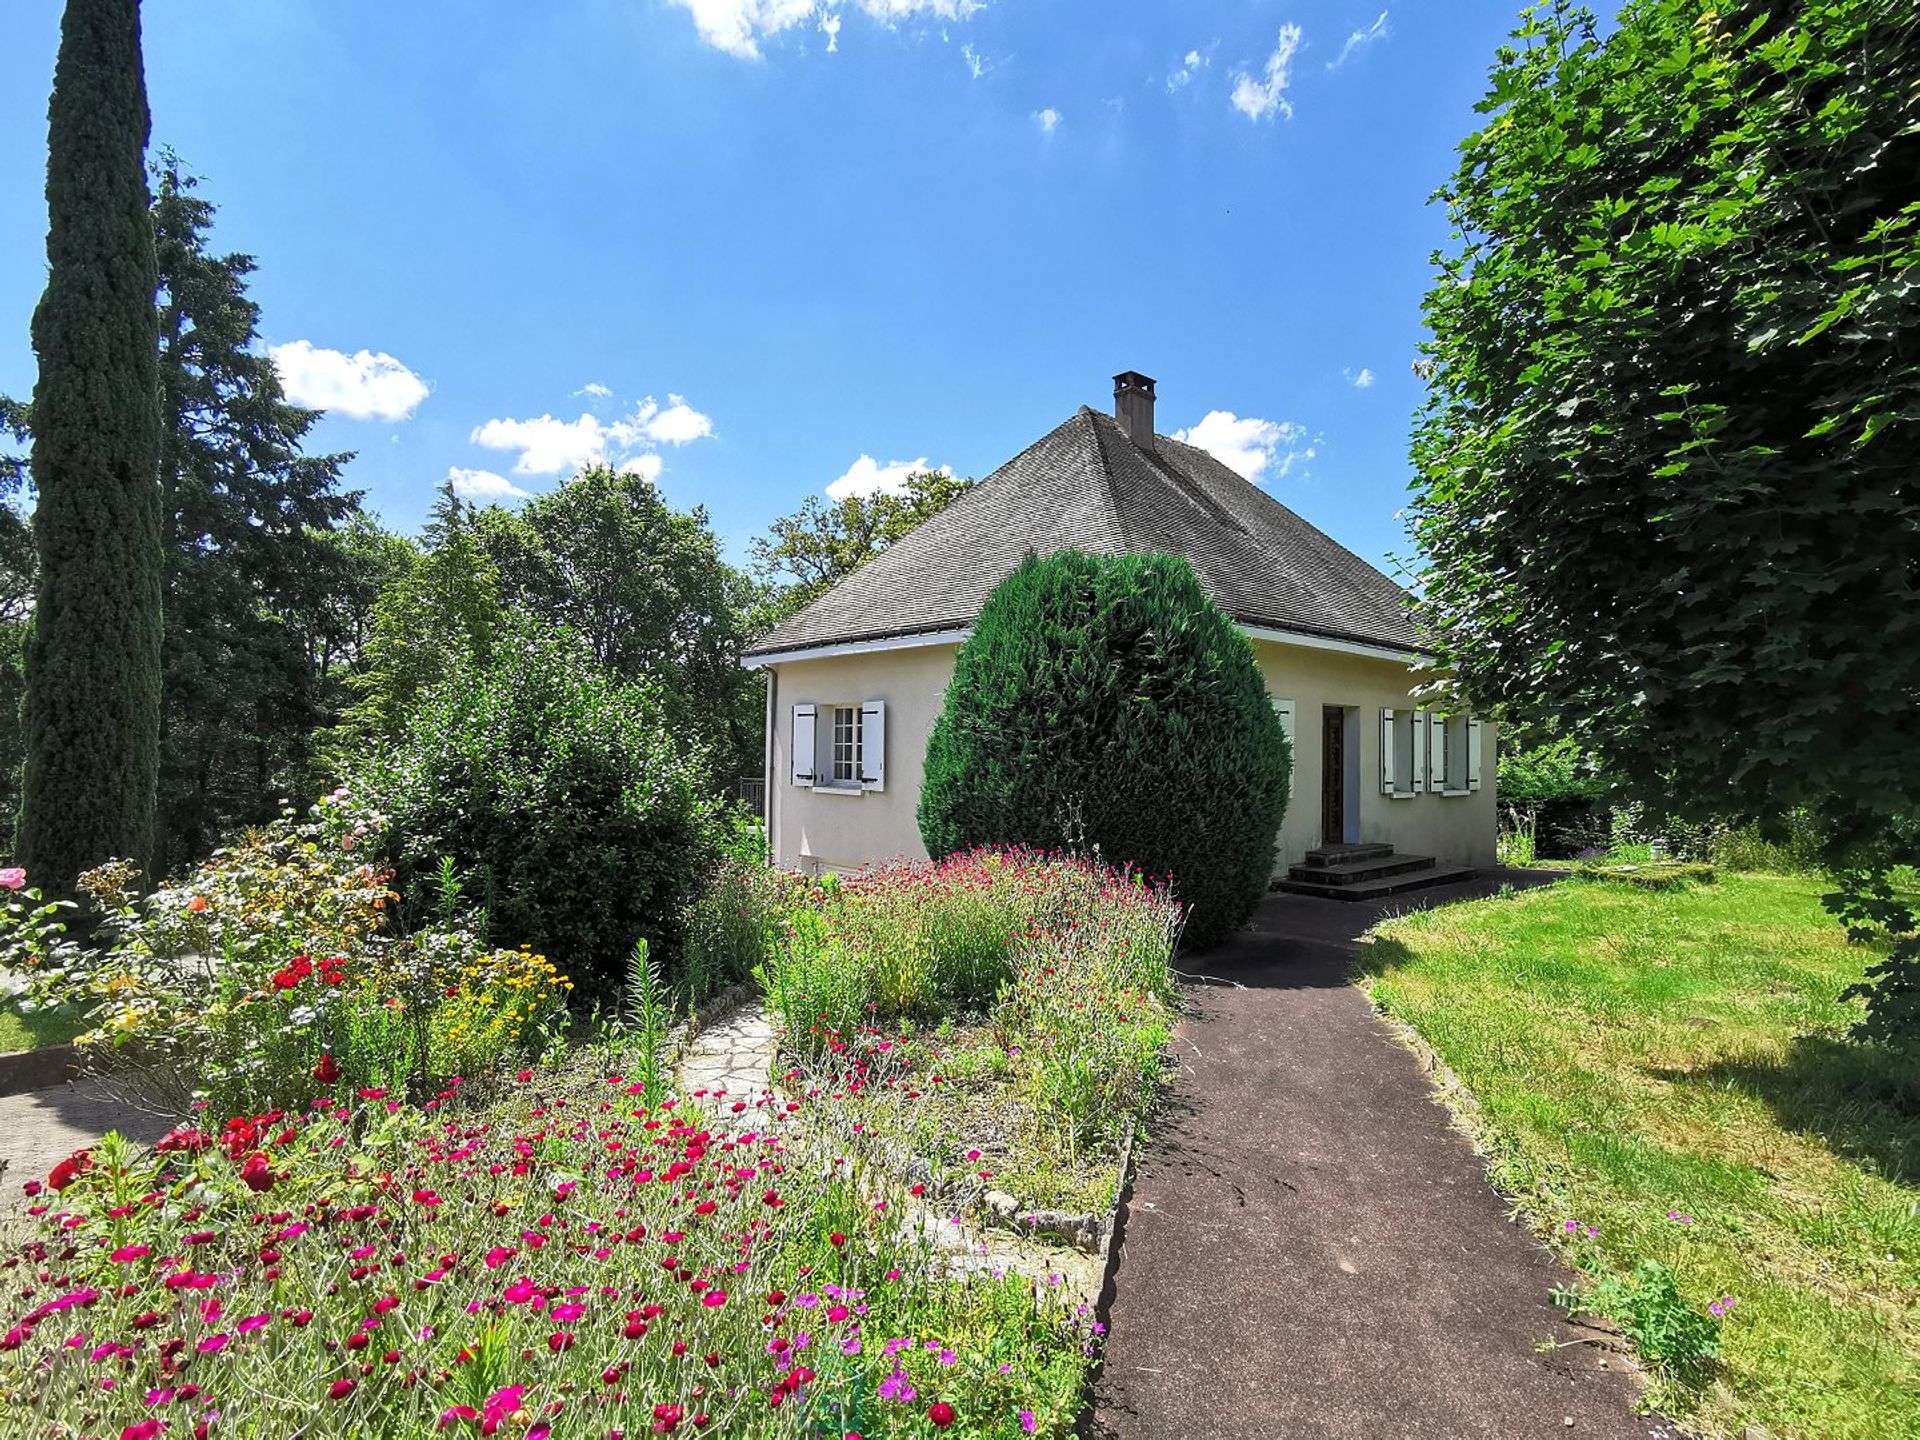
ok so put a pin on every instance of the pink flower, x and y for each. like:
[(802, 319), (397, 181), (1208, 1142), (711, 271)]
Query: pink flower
[(714, 1299), (499, 1256), (127, 1254), (212, 1345), (13, 878)]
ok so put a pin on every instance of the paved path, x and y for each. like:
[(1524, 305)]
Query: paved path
[(1311, 1250), (730, 1062), (42, 1127)]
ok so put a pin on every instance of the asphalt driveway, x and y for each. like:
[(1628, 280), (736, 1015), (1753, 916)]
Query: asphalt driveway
[(1311, 1250)]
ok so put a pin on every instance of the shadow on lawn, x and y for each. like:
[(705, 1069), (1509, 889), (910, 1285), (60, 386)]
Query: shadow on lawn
[(1862, 1100)]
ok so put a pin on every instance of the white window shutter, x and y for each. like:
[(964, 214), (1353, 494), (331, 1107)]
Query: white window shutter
[(1473, 754), (804, 745), (1386, 752), (1437, 778), (1285, 710), (873, 745), (1419, 750)]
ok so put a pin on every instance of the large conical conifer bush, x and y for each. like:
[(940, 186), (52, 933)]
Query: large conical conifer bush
[(93, 665), (1104, 705)]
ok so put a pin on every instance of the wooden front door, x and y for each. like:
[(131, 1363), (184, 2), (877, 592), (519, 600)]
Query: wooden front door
[(1333, 776)]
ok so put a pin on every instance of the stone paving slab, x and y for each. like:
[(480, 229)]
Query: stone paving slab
[(40, 1128)]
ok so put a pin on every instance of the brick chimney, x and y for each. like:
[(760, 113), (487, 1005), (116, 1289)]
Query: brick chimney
[(1133, 406)]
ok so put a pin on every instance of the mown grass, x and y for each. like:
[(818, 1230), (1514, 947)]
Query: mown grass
[(1633, 1053), (36, 1031)]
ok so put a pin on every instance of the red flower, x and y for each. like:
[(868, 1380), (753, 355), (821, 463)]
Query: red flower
[(941, 1414), (340, 1389), (666, 1418), (257, 1173), (326, 1072), (70, 1169)]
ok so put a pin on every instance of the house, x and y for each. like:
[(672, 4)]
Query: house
[(856, 679)]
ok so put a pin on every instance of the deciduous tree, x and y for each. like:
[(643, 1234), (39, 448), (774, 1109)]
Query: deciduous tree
[(1667, 492)]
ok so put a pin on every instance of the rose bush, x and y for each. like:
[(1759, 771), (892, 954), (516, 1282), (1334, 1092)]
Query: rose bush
[(274, 959)]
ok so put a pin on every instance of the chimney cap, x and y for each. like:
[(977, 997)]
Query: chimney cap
[(1133, 406)]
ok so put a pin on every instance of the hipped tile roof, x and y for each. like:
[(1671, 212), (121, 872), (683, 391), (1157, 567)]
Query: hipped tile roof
[(1086, 486)]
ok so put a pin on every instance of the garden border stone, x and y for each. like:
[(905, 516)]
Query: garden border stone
[(24, 1070)]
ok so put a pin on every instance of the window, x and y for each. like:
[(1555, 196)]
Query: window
[(1401, 771), (841, 748), (1456, 754), (846, 745)]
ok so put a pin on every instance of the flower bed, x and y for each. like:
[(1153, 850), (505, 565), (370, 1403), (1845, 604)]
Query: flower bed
[(999, 1019), (274, 964), (566, 1262)]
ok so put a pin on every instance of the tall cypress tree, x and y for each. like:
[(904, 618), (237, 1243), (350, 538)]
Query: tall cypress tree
[(93, 664)]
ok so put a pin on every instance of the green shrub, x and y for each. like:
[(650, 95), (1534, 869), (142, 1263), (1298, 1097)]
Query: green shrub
[(734, 923), (1105, 707), (1795, 848), (572, 813)]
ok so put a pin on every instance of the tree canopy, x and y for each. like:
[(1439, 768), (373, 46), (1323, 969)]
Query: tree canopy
[(247, 515), (1666, 484), (805, 554)]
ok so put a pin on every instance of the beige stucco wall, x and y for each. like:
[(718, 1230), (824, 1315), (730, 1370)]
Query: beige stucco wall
[(820, 830), (1459, 828)]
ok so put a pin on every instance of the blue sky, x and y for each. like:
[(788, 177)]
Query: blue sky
[(761, 247)]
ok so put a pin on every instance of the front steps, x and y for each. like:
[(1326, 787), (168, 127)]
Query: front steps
[(1366, 872)]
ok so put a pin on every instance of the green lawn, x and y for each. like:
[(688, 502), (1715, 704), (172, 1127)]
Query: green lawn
[(1633, 1053), (36, 1031)]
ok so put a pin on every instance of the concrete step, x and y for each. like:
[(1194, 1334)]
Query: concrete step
[(1381, 888), (1345, 854), (1356, 871)]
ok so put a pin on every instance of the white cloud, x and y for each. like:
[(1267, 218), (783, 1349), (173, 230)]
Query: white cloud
[(483, 485), (1250, 446), (595, 389), (1258, 99), (867, 476), (546, 445), (1048, 119), (1361, 381), (977, 64), (549, 445), (1359, 40), (678, 424), (647, 467), (1190, 66), (738, 26), (367, 385)]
